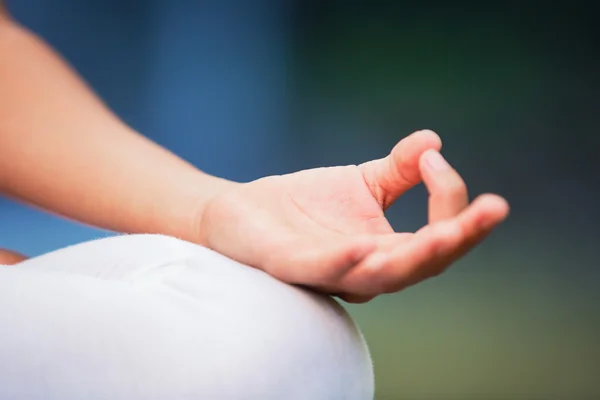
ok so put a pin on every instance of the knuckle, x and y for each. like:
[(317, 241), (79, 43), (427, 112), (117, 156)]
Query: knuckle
[(436, 246)]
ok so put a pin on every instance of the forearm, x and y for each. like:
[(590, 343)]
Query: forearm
[(62, 150), (8, 257)]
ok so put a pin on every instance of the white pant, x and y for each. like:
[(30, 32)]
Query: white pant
[(152, 317)]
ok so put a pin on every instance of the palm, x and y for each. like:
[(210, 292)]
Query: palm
[(326, 228), (335, 200)]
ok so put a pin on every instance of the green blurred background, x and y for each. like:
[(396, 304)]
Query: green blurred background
[(512, 89), (514, 93)]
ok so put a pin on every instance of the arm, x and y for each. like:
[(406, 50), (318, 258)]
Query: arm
[(62, 150)]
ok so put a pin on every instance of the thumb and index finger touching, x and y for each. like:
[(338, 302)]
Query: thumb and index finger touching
[(416, 159), (455, 226), (390, 177)]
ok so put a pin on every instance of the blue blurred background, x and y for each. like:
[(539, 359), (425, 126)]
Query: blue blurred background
[(245, 89)]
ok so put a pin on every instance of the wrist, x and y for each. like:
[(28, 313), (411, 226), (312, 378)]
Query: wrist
[(185, 221)]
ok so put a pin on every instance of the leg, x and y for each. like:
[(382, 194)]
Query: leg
[(152, 317)]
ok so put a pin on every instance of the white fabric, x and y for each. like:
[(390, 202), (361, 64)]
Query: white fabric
[(152, 317)]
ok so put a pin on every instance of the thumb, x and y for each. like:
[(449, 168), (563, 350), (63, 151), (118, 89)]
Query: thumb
[(390, 177)]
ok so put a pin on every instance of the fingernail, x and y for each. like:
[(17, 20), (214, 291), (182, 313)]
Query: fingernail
[(436, 161)]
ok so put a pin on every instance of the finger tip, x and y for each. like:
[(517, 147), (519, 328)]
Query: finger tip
[(430, 137), (496, 205), (432, 162), (407, 154), (424, 156)]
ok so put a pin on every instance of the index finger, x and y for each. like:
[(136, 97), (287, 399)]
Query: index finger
[(448, 194)]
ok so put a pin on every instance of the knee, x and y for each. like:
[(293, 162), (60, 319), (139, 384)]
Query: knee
[(122, 257), (275, 340), (212, 326), (266, 339)]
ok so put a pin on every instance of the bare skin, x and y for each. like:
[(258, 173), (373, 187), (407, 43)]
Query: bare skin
[(10, 257), (326, 227), (62, 150)]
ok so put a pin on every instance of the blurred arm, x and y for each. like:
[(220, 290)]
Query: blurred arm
[(10, 257), (62, 150)]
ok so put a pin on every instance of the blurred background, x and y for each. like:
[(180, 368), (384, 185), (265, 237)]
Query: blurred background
[(245, 89)]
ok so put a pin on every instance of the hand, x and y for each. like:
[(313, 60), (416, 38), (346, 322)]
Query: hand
[(325, 227)]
